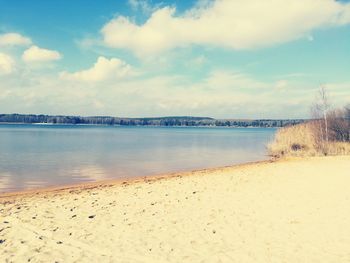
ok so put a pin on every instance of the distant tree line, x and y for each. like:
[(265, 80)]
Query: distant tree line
[(161, 121)]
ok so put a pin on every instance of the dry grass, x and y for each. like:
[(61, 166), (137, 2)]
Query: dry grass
[(339, 148), (303, 140)]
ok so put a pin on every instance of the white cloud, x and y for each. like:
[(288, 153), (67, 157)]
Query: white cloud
[(222, 94), (7, 64), (142, 5), (197, 62), (344, 17), (281, 84), (225, 23), (36, 54), (103, 69), (14, 39), (310, 38)]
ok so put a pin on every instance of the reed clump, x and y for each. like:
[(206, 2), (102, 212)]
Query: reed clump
[(310, 139), (298, 140)]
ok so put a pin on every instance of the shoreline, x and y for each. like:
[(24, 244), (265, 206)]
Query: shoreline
[(126, 180)]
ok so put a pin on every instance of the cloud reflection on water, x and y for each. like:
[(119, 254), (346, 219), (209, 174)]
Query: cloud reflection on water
[(5, 181)]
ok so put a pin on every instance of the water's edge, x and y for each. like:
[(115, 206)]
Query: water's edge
[(127, 180)]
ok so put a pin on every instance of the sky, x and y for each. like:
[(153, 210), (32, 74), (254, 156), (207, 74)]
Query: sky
[(143, 58)]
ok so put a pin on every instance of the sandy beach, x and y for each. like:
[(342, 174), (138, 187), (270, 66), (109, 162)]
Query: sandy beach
[(295, 210)]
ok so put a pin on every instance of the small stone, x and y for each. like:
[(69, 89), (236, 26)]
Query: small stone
[(92, 216)]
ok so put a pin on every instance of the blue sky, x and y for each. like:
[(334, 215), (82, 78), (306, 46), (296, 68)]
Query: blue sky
[(225, 59)]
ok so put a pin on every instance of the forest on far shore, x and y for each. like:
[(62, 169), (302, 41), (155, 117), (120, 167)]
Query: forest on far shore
[(158, 121)]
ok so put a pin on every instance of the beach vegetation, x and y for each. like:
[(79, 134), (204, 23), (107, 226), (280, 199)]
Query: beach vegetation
[(327, 133)]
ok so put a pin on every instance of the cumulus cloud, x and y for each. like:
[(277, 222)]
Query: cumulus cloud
[(7, 64), (14, 39), (225, 23), (142, 5), (103, 69), (37, 54)]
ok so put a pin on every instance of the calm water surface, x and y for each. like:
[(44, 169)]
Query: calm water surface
[(33, 156)]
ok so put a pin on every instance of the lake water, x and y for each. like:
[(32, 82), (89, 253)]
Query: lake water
[(34, 156)]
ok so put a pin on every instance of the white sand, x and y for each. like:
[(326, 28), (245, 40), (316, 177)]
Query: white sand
[(287, 211)]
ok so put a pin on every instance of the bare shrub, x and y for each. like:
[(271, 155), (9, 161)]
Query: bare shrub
[(339, 125), (320, 125), (317, 128)]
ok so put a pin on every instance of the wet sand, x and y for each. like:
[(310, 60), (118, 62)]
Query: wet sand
[(294, 210)]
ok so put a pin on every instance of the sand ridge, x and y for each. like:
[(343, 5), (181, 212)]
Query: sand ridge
[(286, 211)]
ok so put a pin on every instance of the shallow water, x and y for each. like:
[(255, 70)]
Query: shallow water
[(33, 156)]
